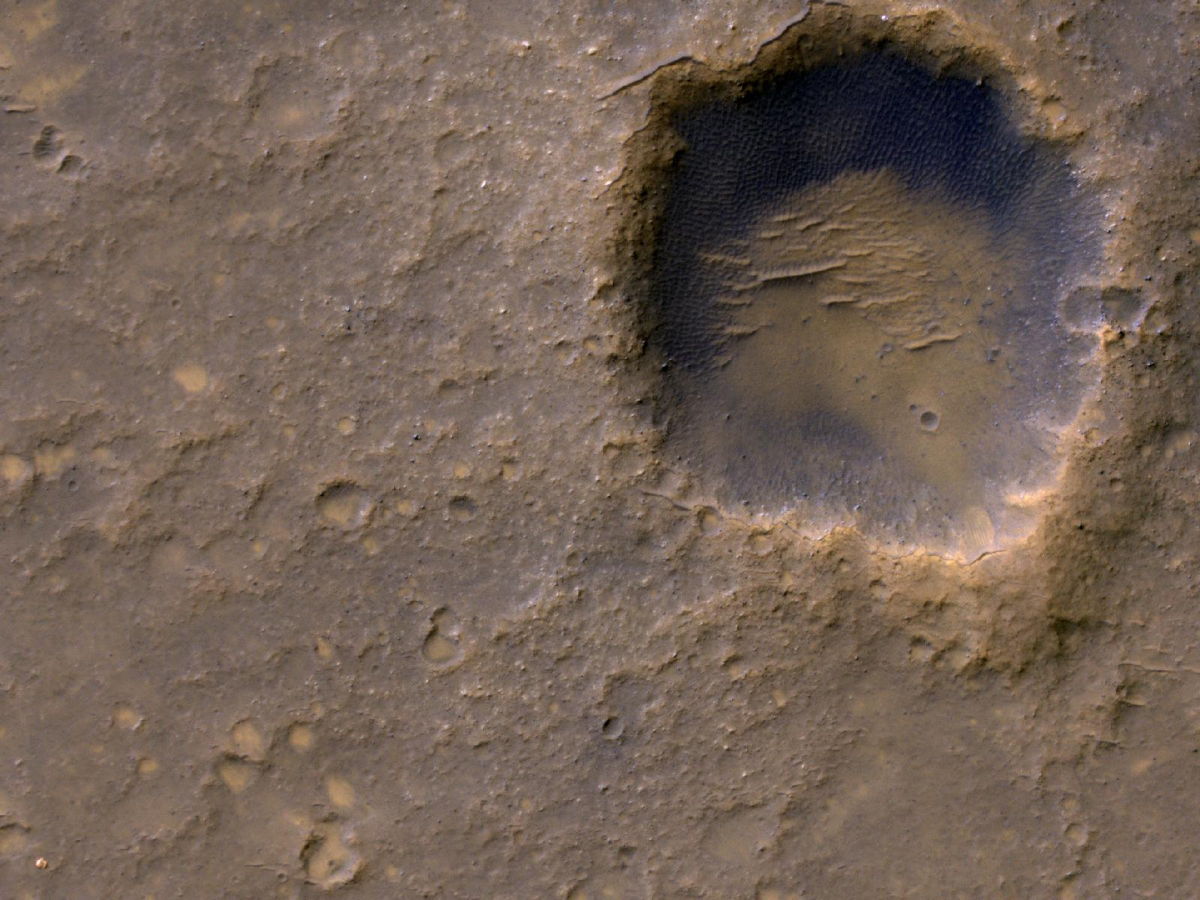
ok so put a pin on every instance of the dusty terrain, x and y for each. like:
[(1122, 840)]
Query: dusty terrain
[(344, 548)]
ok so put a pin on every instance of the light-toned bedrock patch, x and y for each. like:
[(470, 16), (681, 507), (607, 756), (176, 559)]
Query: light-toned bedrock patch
[(863, 280)]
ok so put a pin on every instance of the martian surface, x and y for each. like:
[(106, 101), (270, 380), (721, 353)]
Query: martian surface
[(588, 450)]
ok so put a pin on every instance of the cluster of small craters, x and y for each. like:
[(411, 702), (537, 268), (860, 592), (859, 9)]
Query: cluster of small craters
[(326, 853), (255, 764)]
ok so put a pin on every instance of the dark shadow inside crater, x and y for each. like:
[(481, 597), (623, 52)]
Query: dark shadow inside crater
[(855, 281)]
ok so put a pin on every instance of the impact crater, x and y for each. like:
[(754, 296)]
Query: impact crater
[(855, 282)]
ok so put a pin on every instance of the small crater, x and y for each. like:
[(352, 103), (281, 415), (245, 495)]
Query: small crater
[(247, 741), (340, 792), (1091, 308), (612, 728), (191, 377), (709, 520), (462, 508), (301, 737), (438, 648), (1123, 309), (345, 505), (15, 470), (236, 774), (48, 146), (740, 837), (441, 644), (126, 717), (51, 460), (328, 860), (292, 101)]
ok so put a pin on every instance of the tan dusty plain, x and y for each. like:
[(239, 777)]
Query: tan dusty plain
[(341, 553)]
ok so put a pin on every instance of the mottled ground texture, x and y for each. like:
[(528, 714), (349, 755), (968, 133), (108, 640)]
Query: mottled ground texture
[(347, 543)]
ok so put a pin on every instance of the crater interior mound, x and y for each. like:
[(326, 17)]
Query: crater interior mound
[(857, 278)]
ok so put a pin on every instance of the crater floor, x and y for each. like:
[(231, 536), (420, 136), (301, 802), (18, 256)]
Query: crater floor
[(859, 277)]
